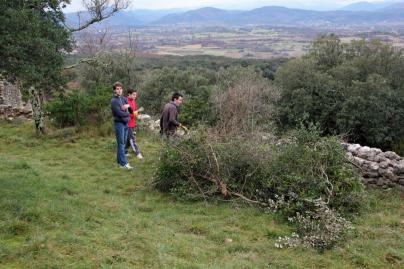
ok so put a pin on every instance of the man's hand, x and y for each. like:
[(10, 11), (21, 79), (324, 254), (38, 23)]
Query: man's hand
[(125, 107), (183, 128)]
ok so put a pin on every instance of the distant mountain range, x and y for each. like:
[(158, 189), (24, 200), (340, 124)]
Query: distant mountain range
[(361, 13), (368, 6)]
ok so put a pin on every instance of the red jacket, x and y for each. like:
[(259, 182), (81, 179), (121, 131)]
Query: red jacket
[(132, 121)]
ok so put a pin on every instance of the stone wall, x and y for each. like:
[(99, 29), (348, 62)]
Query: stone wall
[(10, 95), (378, 168), (11, 104)]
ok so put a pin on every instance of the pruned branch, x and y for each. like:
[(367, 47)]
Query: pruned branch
[(88, 61), (94, 60)]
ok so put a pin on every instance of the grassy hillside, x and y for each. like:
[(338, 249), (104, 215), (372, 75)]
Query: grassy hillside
[(65, 204)]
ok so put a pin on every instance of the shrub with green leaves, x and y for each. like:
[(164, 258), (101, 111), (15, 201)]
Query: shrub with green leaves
[(77, 107), (351, 89), (287, 177), (309, 167), (321, 228)]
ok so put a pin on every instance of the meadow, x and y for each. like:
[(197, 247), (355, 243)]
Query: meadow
[(65, 204)]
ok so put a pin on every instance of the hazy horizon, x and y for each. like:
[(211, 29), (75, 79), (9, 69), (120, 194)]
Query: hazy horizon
[(230, 4)]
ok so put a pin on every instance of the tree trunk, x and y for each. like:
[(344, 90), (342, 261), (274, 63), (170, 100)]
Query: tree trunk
[(37, 111)]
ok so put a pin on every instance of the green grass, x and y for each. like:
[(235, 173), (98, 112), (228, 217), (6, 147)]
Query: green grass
[(65, 204)]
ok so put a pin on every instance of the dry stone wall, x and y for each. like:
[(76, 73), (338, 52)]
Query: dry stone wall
[(383, 169), (11, 104)]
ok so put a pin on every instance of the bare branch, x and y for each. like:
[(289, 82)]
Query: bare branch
[(99, 10), (248, 200), (94, 42), (85, 60)]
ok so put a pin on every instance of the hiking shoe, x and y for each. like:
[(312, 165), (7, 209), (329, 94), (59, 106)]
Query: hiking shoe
[(139, 156), (126, 166)]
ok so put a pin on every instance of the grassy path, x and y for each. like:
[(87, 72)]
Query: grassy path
[(64, 204)]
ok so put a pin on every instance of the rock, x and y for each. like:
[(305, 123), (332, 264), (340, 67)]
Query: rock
[(370, 174), (377, 151), (380, 158), (395, 166), (384, 164), (391, 184), (350, 156), (384, 169), (144, 117), (400, 167), (369, 180), (400, 187), (154, 125), (374, 167), (375, 155), (365, 153), (391, 155), (381, 182), (388, 173), (345, 145), (358, 161), (228, 240), (353, 148)]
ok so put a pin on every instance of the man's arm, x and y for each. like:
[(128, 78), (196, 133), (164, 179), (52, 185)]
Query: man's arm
[(172, 116), (116, 109)]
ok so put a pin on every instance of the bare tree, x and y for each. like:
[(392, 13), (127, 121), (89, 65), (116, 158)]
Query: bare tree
[(244, 101), (94, 43)]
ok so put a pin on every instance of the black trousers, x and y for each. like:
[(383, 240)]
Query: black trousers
[(131, 142)]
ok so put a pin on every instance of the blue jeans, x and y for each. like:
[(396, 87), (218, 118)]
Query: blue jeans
[(121, 133)]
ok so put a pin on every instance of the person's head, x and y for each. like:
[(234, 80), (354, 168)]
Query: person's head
[(117, 87), (177, 98), (132, 93)]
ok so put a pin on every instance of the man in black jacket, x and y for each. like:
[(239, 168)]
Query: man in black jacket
[(168, 119), (119, 107)]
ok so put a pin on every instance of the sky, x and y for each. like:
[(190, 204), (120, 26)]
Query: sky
[(228, 4)]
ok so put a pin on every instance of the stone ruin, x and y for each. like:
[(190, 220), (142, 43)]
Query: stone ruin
[(378, 168), (11, 104)]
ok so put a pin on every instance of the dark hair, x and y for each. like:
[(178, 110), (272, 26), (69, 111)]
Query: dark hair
[(116, 84), (131, 90), (176, 96)]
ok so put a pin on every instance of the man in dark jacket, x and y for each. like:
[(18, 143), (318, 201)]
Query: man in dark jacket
[(119, 107), (168, 119)]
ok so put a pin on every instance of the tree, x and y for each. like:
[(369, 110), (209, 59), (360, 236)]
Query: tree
[(34, 41), (32, 47), (353, 89)]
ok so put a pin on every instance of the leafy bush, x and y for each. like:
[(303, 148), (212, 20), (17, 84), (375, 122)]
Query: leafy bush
[(159, 85), (313, 167), (77, 108), (287, 177), (198, 108), (320, 228), (68, 109), (353, 89)]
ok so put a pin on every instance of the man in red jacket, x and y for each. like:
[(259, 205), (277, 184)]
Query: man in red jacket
[(131, 141)]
